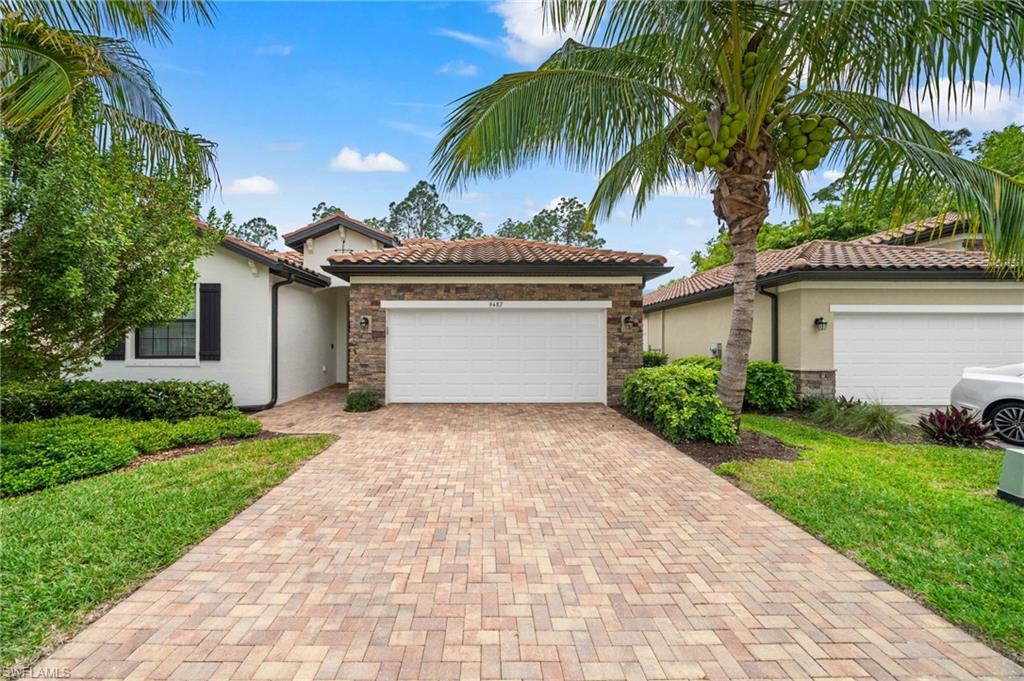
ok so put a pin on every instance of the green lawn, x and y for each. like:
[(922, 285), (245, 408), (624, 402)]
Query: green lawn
[(70, 548), (924, 517)]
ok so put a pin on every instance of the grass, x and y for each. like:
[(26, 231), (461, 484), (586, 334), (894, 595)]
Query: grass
[(68, 549), (924, 517)]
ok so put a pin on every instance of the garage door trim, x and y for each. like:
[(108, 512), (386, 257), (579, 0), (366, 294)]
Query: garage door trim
[(506, 304), (928, 309)]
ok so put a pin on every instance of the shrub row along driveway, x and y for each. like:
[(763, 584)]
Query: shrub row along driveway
[(513, 542)]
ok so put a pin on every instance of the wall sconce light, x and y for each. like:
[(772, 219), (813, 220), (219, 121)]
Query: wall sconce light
[(820, 323), (365, 323), (629, 323), (715, 349)]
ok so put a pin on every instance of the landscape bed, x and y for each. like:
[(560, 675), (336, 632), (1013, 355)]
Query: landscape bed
[(69, 549), (924, 517)]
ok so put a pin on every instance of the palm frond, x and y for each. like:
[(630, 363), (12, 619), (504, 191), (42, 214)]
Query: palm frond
[(148, 20), (129, 84)]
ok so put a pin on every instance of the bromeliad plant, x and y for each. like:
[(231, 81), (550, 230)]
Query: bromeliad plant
[(741, 98), (955, 427)]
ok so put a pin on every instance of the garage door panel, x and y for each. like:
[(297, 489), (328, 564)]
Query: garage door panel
[(917, 357), (488, 355)]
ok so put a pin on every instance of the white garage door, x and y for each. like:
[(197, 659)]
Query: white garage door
[(482, 351), (904, 354)]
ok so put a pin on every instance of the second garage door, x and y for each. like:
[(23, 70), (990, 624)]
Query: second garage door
[(914, 355), (497, 352)]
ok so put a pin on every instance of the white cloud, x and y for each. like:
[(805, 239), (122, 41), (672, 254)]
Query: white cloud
[(677, 259), (526, 38), (412, 129), (990, 108), (832, 175), (381, 162), (468, 38), (256, 184), (458, 68), (276, 50)]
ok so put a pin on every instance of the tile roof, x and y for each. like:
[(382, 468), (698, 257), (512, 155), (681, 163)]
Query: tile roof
[(919, 231), (826, 256), (312, 228), (493, 250)]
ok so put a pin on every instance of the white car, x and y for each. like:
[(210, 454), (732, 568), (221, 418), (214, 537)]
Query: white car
[(997, 393)]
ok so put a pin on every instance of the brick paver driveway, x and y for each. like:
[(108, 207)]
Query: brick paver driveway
[(514, 542)]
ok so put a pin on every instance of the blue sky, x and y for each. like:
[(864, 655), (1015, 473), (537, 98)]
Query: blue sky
[(342, 102)]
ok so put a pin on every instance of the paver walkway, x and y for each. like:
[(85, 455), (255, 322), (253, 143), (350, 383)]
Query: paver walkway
[(513, 542)]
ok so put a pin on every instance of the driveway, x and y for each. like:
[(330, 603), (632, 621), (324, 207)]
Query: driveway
[(513, 542)]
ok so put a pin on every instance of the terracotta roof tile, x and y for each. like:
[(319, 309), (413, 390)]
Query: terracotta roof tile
[(284, 257), (826, 256), (919, 231), (493, 250)]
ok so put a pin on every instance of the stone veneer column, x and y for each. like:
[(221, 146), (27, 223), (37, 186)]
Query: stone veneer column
[(366, 349), (814, 382)]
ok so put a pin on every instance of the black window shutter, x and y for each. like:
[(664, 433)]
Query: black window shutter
[(117, 352), (209, 321)]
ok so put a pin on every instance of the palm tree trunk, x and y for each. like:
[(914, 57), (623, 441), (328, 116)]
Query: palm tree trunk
[(741, 202)]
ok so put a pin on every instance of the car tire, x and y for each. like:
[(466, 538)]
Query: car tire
[(1008, 422)]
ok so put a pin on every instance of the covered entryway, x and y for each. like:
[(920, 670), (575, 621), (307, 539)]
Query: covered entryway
[(496, 351), (915, 354)]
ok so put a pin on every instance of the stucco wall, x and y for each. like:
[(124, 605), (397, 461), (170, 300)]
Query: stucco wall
[(367, 348), (306, 324), (316, 251), (692, 329), (245, 335)]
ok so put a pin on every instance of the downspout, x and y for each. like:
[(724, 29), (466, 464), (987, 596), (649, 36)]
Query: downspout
[(273, 350), (775, 321)]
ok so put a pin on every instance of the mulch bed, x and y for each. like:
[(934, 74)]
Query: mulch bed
[(752, 446), (169, 454)]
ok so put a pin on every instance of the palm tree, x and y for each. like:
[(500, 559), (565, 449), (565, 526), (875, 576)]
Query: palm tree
[(743, 98), (52, 52)]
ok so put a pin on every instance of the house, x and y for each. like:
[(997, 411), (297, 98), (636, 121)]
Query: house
[(480, 320), (873, 318)]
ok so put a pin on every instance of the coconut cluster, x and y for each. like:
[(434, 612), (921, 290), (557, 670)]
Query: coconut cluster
[(706, 145), (805, 139)]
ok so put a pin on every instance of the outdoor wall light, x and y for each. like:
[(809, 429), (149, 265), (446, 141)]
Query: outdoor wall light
[(629, 323), (820, 323), (715, 349), (365, 323)]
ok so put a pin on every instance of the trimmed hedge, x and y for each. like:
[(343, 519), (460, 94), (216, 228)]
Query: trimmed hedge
[(47, 452), (653, 358), (362, 400), (134, 400), (681, 402), (770, 387)]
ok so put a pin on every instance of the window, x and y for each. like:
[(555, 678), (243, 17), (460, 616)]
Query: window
[(176, 340)]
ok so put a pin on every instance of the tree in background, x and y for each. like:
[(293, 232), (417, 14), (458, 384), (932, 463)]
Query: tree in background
[(565, 223), (743, 97), (422, 214), (1003, 150), (95, 243), (257, 231), (322, 210), (53, 52)]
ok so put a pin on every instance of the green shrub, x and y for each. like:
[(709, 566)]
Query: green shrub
[(653, 358), (680, 401), (134, 400), (362, 400), (857, 417), (770, 387), (46, 452), (826, 412)]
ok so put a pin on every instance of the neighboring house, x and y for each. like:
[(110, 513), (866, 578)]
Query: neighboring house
[(481, 320), (865, 319), (950, 231)]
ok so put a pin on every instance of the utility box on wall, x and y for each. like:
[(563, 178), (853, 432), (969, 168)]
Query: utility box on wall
[(1011, 482)]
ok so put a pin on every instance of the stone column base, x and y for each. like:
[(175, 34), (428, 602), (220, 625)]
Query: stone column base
[(814, 383)]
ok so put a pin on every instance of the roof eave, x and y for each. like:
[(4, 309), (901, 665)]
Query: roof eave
[(280, 268), (780, 278), (297, 239), (647, 271)]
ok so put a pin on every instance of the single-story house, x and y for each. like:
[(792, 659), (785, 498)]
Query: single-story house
[(479, 320), (869, 319)]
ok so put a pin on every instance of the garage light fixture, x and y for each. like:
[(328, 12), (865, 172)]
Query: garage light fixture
[(820, 323), (364, 323)]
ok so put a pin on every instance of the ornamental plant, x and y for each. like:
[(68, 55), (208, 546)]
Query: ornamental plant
[(955, 427), (741, 99)]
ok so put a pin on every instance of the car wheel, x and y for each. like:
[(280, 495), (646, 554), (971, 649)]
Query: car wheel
[(1008, 422)]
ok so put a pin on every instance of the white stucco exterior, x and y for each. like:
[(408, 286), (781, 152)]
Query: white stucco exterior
[(306, 325)]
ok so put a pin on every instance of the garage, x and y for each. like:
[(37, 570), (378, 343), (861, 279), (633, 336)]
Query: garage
[(914, 354), (496, 351)]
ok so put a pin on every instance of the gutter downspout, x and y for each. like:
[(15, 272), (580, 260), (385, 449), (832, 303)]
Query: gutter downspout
[(273, 350), (775, 321)]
